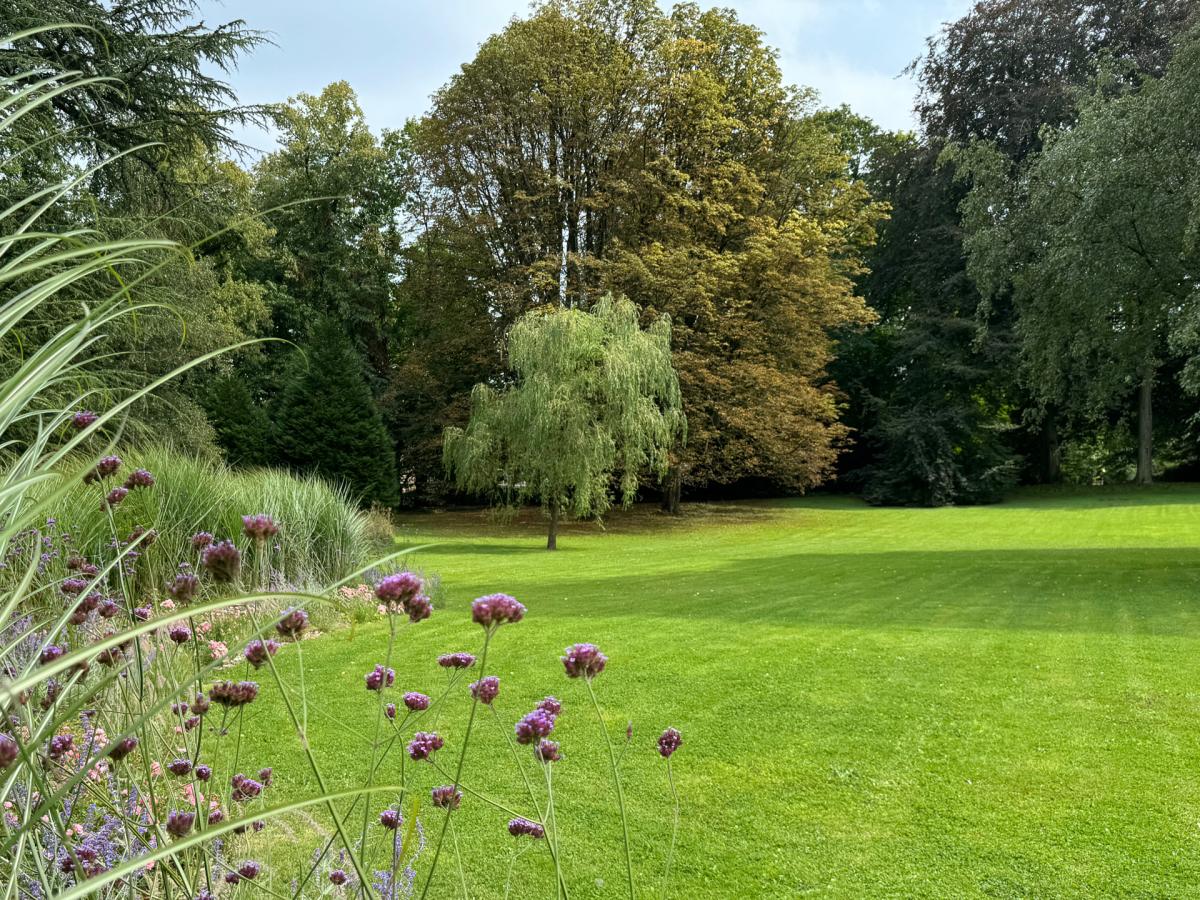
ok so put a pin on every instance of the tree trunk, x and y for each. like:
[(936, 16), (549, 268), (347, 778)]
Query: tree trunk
[(552, 539), (672, 485), (1049, 462), (1145, 445)]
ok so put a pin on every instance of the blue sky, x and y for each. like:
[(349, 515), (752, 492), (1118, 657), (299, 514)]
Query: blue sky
[(395, 53)]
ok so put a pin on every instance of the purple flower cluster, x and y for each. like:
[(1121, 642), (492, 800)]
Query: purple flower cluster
[(179, 767), (106, 467), (292, 623), (546, 751), (183, 587), (61, 745), (50, 654), (245, 788), (222, 560), (402, 592), (424, 745), (139, 478), (669, 742), (390, 819), (260, 527), (519, 826), (229, 693), (534, 726), (83, 419), (456, 660), (486, 689), (200, 705), (494, 610), (180, 822), (583, 661), (446, 797), (179, 633), (9, 751), (257, 652), (123, 747), (201, 539), (203, 772), (338, 877), (380, 678), (248, 870), (416, 701), (114, 498)]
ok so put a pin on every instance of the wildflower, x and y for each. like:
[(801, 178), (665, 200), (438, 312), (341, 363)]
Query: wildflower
[(200, 705), (446, 797), (222, 560), (424, 745), (50, 654), (399, 588), (259, 527), (61, 745), (179, 822), (74, 563), (551, 705), (168, 604), (83, 419), (123, 747), (108, 609), (389, 819), (143, 613), (485, 689), (228, 693), (292, 623), (203, 772), (201, 539), (113, 498), (338, 877), (456, 660), (245, 788), (91, 570), (546, 751), (519, 826), (380, 678), (139, 478), (190, 723), (257, 651), (535, 725), (232, 878), (73, 586), (415, 701), (9, 751), (265, 774), (419, 608), (179, 767), (494, 610), (179, 633), (217, 649), (249, 870), (583, 660), (107, 466), (390, 710), (183, 587), (215, 817), (669, 742)]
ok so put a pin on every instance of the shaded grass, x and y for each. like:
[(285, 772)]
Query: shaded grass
[(992, 702)]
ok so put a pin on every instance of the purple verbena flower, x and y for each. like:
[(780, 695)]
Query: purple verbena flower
[(546, 751), (534, 726), (551, 705), (446, 797), (123, 747), (338, 877), (258, 651), (245, 788), (486, 689), (292, 623), (9, 750), (669, 742), (83, 419), (583, 660), (222, 560), (50, 654), (419, 608), (203, 772), (179, 633), (519, 826), (183, 587), (259, 527), (228, 693), (380, 678), (179, 767), (61, 745), (424, 745), (108, 609), (180, 822), (139, 478), (73, 586), (494, 610), (201, 539), (200, 705), (249, 870), (416, 701), (390, 710), (456, 660), (390, 819), (113, 498), (399, 588)]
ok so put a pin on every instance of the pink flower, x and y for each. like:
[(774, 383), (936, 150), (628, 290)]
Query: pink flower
[(168, 604), (156, 769), (205, 627), (217, 649)]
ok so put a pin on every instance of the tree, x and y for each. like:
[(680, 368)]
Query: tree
[(1096, 237), (594, 400), (326, 420), (600, 147)]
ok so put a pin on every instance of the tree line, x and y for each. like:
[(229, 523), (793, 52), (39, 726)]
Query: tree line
[(1006, 295)]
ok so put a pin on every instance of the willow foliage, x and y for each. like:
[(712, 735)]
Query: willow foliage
[(595, 403)]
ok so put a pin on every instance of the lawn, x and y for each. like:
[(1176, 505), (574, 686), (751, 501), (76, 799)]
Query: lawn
[(993, 702)]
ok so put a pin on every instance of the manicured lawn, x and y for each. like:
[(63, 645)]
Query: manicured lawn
[(999, 702)]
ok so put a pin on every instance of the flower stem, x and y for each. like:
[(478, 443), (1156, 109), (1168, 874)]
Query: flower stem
[(612, 758), (674, 830)]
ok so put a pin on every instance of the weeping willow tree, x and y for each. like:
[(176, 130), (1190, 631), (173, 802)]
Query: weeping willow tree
[(594, 406)]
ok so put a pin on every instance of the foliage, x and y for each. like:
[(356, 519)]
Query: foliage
[(327, 422), (595, 400)]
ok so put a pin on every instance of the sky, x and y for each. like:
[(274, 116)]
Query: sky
[(395, 53)]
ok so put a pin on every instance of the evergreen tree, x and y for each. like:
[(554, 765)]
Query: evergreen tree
[(242, 426), (326, 419)]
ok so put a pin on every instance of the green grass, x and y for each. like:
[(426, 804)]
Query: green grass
[(986, 702)]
